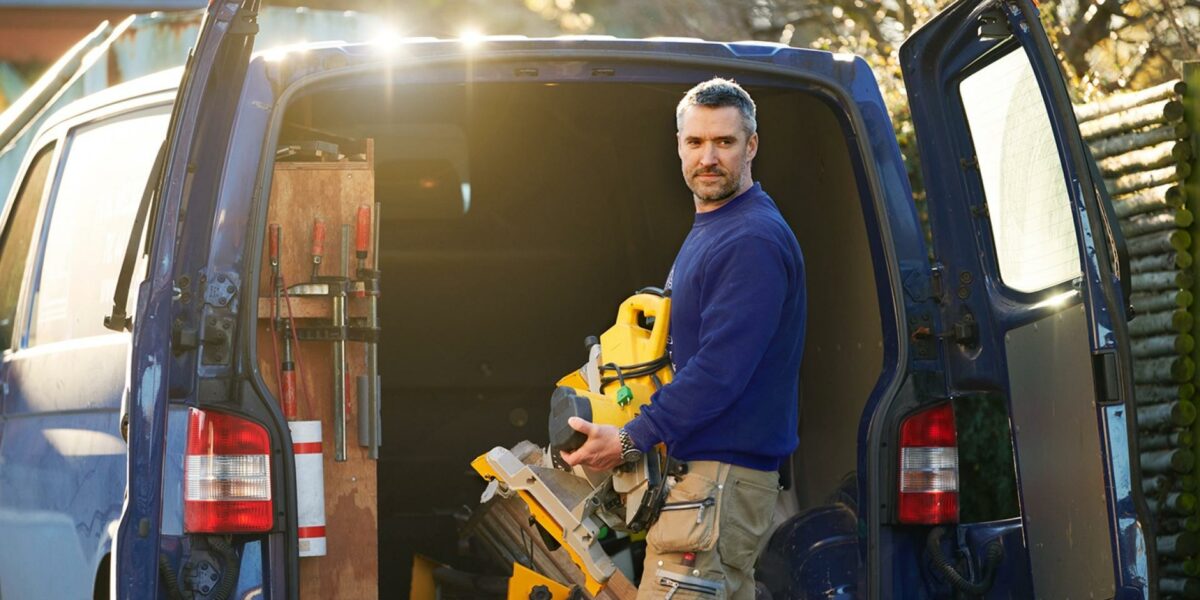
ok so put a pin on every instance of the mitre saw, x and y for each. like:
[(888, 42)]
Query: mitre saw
[(573, 505)]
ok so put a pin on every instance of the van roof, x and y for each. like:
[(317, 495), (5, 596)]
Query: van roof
[(168, 80), (155, 83), (742, 48)]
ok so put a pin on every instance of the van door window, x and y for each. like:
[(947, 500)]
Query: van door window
[(105, 169), (1023, 181), (17, 239)]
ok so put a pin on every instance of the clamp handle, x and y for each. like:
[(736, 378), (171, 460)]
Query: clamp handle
[(362, 238), (318, 240), (274, 232)]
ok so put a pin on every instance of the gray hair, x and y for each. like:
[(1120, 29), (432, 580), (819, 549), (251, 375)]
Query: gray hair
[(717, 93)]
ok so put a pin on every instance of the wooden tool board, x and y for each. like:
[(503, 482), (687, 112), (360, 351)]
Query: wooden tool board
[(300, 193)]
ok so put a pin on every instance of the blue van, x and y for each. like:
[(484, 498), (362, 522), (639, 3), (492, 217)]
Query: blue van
[(526, 187)]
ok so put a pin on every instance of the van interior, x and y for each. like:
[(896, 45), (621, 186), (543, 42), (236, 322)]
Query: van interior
[(516, 217)]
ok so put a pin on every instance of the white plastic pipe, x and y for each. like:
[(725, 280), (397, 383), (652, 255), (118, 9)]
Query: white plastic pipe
[(310, 486)]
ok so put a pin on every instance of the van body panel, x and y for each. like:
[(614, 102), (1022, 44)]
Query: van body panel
[(62, 462), (223, 47), (1067, 533), (210, 226), (61, 456), (63, 476), (971, 179)]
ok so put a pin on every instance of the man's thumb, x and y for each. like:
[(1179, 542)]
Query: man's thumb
[(580, 425)]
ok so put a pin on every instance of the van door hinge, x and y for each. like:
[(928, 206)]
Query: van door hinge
[(220, 289), (245, 23), (994, 25), (217, 334)]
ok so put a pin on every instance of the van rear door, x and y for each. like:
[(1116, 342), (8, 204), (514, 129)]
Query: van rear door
[(201, 123), (1031, 269)]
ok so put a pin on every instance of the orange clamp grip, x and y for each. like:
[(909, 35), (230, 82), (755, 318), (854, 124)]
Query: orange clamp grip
[(318, 238), (362, 238), (273, 242), (287, 391)]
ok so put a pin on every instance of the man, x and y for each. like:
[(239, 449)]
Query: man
[(738, 307)]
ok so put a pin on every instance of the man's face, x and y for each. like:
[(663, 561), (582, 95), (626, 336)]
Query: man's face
[(715, 153)]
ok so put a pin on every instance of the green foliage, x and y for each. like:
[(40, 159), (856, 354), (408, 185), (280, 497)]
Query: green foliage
[(986, 465), (1111, 45)]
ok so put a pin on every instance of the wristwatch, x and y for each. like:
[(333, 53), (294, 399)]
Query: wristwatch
[(629, 452)]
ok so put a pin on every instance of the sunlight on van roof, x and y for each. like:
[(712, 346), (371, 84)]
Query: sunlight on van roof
[(386, 40), (278, 53), (470, 36)]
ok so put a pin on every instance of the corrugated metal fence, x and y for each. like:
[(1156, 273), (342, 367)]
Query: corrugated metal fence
[(145, 44)]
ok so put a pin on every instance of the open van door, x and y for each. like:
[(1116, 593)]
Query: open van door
[(1032, 269), (163, 342)]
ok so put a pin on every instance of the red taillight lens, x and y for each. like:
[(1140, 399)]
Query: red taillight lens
[(227, 475), (929, 467)]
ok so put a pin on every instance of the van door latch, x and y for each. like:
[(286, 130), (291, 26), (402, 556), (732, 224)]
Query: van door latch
[(965, 332), (935, 281), (1104, 366), (183, 337)]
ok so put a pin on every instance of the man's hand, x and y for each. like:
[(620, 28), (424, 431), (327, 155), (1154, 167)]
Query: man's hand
[(601, 451)]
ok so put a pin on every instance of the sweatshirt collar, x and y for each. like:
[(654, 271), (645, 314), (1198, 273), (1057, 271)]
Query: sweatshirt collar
[(729, 207)]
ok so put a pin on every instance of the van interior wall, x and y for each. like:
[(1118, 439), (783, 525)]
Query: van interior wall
[(805, 164), (576, 201)]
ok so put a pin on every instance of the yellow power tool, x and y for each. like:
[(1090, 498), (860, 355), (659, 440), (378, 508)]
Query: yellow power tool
[(574, 505)]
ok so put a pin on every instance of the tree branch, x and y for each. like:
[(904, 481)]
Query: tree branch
[(1114, 11), (1188, 42)]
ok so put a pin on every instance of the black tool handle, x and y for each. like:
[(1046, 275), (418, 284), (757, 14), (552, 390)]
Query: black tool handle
[(564, 404)]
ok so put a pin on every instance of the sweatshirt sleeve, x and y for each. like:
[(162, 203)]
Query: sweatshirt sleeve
[(742, 298)]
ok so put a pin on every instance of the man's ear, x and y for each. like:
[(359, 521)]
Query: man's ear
[(752, 146)]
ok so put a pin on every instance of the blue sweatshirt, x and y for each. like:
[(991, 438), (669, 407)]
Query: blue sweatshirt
[(738, 307)]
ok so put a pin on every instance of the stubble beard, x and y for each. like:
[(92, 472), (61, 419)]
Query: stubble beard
[(709, 195)]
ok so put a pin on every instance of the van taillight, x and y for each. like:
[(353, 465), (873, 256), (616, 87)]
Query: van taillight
[(929, 467), (227, 475)]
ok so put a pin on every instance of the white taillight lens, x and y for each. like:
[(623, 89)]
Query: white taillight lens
[(227, 475), (228, 478), (928, 470), (928, 486)]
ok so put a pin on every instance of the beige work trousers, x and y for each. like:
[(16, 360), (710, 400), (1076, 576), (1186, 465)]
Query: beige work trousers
[(719, 512)]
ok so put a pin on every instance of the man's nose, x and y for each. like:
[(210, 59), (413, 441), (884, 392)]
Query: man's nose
[(708, 155)]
